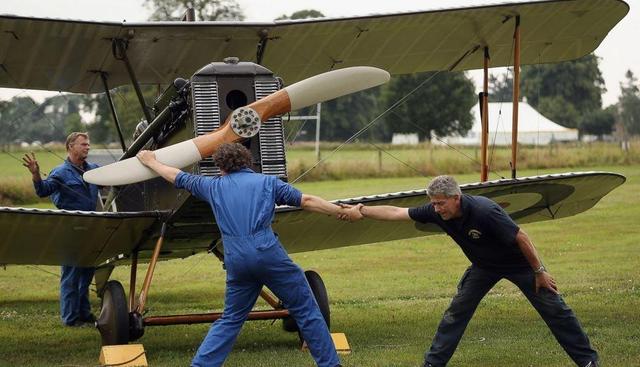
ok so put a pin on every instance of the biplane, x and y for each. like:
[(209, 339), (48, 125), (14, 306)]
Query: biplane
[(215, 68)]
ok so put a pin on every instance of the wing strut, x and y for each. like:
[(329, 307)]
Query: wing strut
[(484, 170), (516, 97), (132, 281), (103, 76), (262, 45), (119, 49), (152, 266)]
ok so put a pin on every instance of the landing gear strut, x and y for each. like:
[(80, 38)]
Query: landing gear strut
[(120, 323)]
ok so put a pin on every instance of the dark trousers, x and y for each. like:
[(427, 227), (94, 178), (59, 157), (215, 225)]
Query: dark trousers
[(74, 293), (474, 285)]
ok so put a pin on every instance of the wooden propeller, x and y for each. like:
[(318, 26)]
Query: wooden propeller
[(244, 122)]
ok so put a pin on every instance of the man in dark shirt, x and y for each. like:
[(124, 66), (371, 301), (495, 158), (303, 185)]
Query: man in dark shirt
[(70, 192), (497, 248), (243, 203)]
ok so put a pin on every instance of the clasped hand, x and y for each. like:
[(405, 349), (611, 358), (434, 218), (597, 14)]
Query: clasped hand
[(350, 213)]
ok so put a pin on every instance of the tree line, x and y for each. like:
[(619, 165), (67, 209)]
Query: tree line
[(569, 93)]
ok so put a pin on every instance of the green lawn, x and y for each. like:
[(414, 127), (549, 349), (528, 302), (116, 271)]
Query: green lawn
[(388, 298)]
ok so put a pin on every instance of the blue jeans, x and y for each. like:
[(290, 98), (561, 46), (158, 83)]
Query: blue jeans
[(74, 293), (248, 269), (474, 285)]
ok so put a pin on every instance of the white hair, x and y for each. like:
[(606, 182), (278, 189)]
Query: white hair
[(443, 185)]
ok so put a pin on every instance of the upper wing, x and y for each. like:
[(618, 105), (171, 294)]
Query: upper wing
[(551, 31), (54, 237), (528, 199), (68, 55)]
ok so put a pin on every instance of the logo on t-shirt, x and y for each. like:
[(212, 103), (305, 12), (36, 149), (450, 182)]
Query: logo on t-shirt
[(475, 234)]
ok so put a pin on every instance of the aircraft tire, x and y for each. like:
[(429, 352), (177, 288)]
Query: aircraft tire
[(322, 298), (113, 322), (289, 324)]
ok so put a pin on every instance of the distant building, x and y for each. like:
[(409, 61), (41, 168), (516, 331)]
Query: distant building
[(533, 128), (409, 139)]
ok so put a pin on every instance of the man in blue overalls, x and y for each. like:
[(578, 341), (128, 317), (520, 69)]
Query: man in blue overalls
[(497, 249), (70, 192), (243, 203)]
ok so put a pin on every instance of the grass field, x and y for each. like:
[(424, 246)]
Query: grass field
[(388, 298)]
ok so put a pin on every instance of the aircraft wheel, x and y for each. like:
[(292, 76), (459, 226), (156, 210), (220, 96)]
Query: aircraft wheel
[(322, 298), (113, 322), (289, 324)]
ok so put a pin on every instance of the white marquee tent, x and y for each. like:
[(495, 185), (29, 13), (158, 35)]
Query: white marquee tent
[(533, 128)]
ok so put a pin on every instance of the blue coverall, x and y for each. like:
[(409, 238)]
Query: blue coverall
[(69, 191), (243, 205)]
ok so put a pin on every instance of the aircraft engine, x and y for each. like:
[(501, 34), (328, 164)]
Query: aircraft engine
[(218, 89), (188, 109)]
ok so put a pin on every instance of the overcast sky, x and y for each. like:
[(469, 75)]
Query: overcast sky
[(619, 51)]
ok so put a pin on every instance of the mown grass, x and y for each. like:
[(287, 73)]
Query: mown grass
[(367, 161), (388, 298), (16, 187)]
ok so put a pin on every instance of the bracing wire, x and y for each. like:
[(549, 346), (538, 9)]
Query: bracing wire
[(417, 126), (367, 126), (392, 107), (398, 159), (372, 122), (294, 133)]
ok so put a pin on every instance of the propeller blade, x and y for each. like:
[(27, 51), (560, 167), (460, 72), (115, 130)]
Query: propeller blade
[(131, 170), (244, 122), (334, 84)]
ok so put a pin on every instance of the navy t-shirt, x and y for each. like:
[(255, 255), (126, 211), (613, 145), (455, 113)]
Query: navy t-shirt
[(486, 234)]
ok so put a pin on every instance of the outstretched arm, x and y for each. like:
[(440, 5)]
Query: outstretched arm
[(148, 158), (353, 213), (543, 279), (319, 205), (384, 212)]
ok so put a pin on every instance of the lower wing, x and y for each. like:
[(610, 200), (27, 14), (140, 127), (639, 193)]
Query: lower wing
[(61, 237), (526, 200)]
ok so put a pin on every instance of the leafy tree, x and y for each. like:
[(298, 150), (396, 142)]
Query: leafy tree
[(599, 122), (8, 132), (73, 122), (103, 129), (14, 117), (629, 102), (441, 105), (204, 9), (302, 14), (564, 92), (342, 117), (501, 88), (47, 122)]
